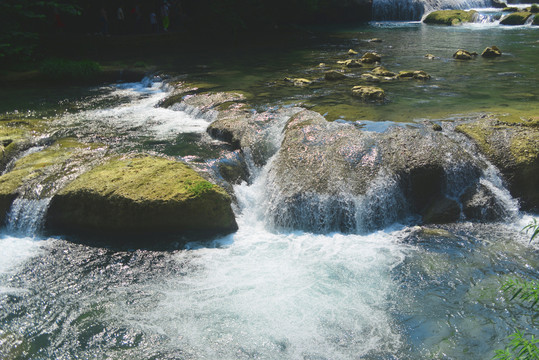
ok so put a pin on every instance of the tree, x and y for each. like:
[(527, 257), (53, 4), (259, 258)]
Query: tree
[(22, 20)]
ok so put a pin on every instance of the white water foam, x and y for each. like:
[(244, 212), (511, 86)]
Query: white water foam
[(294, 295), (141, 114), (15, 251)]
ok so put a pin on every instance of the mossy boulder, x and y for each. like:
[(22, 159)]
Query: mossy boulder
[(369, 93), (510, 9), (491, 52), (370, 78), (535, 20), (413, 74), (141, 196), (450, 17), (461, 54), (351, 63), (516, 18), (513, 147), (382, 71), (371, 58)]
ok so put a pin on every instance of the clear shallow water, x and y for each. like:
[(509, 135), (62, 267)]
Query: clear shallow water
[(398, 293)]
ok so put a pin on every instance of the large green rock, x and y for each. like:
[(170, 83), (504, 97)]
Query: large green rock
[(513, 147), (450, 17), (516, 18), (141, 196)]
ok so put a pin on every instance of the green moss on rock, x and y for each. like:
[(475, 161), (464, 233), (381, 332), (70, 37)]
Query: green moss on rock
[(516, 18), (450, 17), (31, 167), (513, 147), (141, 196)]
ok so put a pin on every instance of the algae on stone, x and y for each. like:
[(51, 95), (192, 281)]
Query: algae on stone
[(141, 196), (450, 17), (516, 18), (513, 147)]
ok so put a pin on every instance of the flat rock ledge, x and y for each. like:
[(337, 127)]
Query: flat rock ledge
[(141, 197)]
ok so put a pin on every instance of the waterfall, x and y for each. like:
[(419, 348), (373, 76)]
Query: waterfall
[(413, 10), (27, 216)]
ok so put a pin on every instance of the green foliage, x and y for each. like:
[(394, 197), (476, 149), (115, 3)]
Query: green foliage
[(526, 291), (61, 69), (519, 348), (533, 227), (534, 9)]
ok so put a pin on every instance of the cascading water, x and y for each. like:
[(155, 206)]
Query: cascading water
[(413, 10), (26, 216)]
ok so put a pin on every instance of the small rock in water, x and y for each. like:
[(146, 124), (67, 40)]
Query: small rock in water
[(371, 58), (350, 63), (491, 51), (463, 55), (430, 56), (369, 93), (417, 74), (352, 52), (333, 75), (382, 71), (298, 81), (375, 40), (370, 77)]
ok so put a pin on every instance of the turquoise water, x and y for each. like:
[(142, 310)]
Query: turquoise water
[(396, 293)]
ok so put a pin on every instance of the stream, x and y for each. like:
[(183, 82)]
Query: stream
[(264, 292)]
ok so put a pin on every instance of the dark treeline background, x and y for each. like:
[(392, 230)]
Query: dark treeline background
[(22, 22)]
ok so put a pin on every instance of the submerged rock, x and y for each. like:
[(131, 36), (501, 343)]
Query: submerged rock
[(369, 93), (513, 147), (450, 17), (516, 18), (461, 54), (491, 51), (141, 196)]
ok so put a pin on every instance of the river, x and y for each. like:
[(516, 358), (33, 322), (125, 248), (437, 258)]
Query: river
[(398, 292)]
